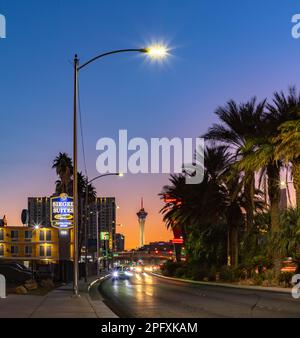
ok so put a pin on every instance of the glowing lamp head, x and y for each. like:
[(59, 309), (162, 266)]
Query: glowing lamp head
[(157, 51)]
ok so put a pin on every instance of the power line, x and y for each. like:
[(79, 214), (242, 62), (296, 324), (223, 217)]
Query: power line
[(81, 132)]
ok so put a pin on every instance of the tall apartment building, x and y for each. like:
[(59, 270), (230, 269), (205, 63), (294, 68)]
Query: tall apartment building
[(120, 242), (106, 207), (39, 211)]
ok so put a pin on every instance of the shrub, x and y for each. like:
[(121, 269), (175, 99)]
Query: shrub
[(212, 274), (227, 274), (241, 272), (259, 278), (196, 272), (169, 268), (285, 278), (180, 272)]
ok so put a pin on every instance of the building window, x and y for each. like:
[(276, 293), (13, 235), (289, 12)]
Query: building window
[(14, 250), (28, 235), (48, 235), (42, 235), (28, 250), (1, 250), (14, 235), (42, 251), (1, 235), (48, 251)]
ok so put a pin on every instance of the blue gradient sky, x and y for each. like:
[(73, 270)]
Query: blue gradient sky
[(221, 50)]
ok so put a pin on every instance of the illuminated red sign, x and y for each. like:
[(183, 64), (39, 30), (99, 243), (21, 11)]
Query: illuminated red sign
[(177, 241), (170, 199)]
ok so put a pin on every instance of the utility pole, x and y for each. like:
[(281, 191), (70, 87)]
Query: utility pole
[(75, 180)]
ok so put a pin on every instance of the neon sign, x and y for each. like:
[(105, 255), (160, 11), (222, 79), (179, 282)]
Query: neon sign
[(61, 211)]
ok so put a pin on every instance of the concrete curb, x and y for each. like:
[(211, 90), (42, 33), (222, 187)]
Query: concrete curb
[(97, 302), (227, 285), (97, 281)]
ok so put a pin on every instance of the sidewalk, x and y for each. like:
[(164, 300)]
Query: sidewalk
[(58, 303)]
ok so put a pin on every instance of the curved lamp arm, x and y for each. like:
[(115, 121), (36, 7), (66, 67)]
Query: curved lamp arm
[(109, 174), (140, 50)]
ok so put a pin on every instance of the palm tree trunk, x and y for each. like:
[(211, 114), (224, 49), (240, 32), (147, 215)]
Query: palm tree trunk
[(232, 249), (287, 185), (296, 175), (273, 172), (249, 194), (233, 220), (235, 247), (228, 247)]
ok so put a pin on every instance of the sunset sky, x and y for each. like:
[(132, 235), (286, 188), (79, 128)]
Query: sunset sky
[(219, 50)]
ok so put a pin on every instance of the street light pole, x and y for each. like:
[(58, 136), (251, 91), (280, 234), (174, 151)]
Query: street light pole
[(86, 220), (75, 179), (97, 225), (155, 51)]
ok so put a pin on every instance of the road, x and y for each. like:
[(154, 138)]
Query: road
[(147, 296)]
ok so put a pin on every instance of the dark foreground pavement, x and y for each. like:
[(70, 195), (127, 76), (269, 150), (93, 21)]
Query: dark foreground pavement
[(58, 303), (148, 296)]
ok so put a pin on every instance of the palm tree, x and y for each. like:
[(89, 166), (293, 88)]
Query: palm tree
[(82, 209), (283, 115), (239, 123), (206, 208), (260, 154), (289, 239), (288, 147), (64, 169), (218, 164), (260, 150)]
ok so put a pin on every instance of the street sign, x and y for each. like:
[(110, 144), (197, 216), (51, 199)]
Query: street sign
[(61, 211), (104, 236), (115, 254)]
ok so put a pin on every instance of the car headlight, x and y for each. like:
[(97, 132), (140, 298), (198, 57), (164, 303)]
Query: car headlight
[(115, 274)]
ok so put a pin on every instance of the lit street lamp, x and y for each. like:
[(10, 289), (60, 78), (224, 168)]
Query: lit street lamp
[(154, 52)]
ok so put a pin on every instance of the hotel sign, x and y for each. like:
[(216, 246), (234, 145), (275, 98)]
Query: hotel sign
[(61, 211)]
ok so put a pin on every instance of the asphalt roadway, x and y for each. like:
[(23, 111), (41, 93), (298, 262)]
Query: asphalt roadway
[(143, 295)]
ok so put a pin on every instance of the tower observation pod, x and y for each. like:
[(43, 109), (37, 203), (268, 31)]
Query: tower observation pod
[(142, 214)]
